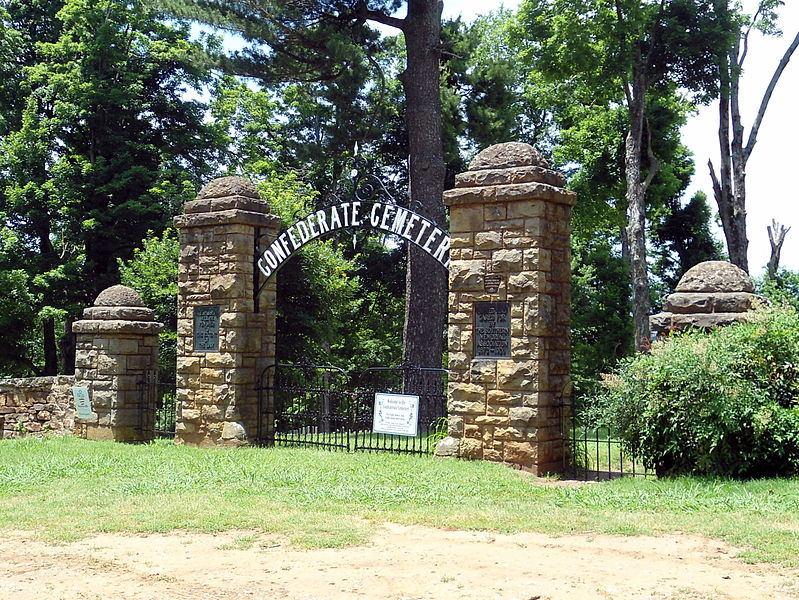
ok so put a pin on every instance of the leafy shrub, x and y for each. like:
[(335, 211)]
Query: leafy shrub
[(718, 403), (783, 289)]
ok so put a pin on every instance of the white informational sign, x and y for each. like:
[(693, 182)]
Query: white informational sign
[(397, 414), (83, 406)]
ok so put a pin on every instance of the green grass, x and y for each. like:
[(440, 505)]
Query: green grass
[(67, 488)]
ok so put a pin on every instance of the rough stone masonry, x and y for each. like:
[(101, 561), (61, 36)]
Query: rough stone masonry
[(216, 395), (116, 354), (510, 228)]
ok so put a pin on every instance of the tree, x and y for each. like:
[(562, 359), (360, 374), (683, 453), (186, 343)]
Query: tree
[(323, 40), (776, 237), (729, 186), (484, 92), (684, 240), (153, 273), (624, 53), (99, 147), (338, 303)]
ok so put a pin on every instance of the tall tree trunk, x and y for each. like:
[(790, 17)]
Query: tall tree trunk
[(739, 242), (67, 344), (50, 347), (425, 284), (636, 211)]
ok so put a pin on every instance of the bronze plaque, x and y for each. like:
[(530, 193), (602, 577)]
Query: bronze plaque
[(492, 329), (206, 328), (491, 283)]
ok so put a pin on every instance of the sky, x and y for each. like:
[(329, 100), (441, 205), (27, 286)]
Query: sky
[(770, 192)]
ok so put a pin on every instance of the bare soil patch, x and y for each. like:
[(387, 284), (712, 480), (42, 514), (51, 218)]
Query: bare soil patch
[(401, 563)]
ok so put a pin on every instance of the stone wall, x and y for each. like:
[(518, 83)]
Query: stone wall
[(36, 405), (510, 227)]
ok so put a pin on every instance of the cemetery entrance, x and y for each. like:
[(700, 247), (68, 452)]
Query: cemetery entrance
[(381, 409)]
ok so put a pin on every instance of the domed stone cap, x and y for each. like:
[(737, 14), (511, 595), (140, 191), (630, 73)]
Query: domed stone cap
[(224, 187), (117, 303), (509, 154), (118, 295), (715, 276)]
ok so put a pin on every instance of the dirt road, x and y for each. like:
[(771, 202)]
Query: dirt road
[(401, 563)]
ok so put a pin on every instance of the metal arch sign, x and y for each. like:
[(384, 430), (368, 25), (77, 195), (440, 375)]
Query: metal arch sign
[(390, 218)]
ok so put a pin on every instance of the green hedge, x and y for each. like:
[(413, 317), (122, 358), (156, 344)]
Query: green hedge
[(720, 403)]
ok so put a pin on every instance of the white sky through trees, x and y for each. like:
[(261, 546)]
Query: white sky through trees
[(771, 192)]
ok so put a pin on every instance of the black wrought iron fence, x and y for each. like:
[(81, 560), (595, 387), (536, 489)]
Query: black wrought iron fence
[(158, 413), (379, 384), (594, 450), (326, 407)]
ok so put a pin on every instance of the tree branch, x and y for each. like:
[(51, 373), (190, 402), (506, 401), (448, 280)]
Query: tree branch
[(739, 60), (365, 13), (750, 144), (716, 184)]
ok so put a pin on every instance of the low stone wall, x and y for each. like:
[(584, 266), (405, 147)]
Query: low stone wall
[(36, 405)]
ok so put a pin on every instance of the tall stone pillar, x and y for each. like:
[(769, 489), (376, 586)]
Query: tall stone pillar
[(225, 335), (509, 312), (116, 358)]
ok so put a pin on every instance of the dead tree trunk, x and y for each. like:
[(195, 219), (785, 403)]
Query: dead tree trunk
[(776, 237), (729, 187)]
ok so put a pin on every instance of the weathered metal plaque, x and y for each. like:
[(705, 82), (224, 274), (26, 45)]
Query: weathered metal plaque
[(206, 328), (492, 329), (83, 405)]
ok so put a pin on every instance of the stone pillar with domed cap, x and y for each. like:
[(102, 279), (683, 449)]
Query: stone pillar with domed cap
[(225, 335), (509, 292), (710, 294), (116, 358)]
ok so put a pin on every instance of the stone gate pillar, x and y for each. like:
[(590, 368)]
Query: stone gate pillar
[(225, 335), (509, 289), (116, 358)]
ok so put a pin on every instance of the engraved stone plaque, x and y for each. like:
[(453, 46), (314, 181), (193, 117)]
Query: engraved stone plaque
[(492, 330), (206, 328)]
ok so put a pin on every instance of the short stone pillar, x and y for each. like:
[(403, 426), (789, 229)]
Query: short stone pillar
[(225, 336), (116, 358), (711, 294), (509, 293)]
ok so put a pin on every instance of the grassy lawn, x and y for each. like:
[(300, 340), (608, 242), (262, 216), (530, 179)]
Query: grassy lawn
[(67, 488)]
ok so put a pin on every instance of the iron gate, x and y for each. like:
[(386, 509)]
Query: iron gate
[(593, 450), (326, 407), (158, 410)]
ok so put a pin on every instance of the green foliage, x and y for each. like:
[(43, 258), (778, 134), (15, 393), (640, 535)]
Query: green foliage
[(684, 240), (721, 403), (783, 289), (601, 327), (153, 273), (98, 145)]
